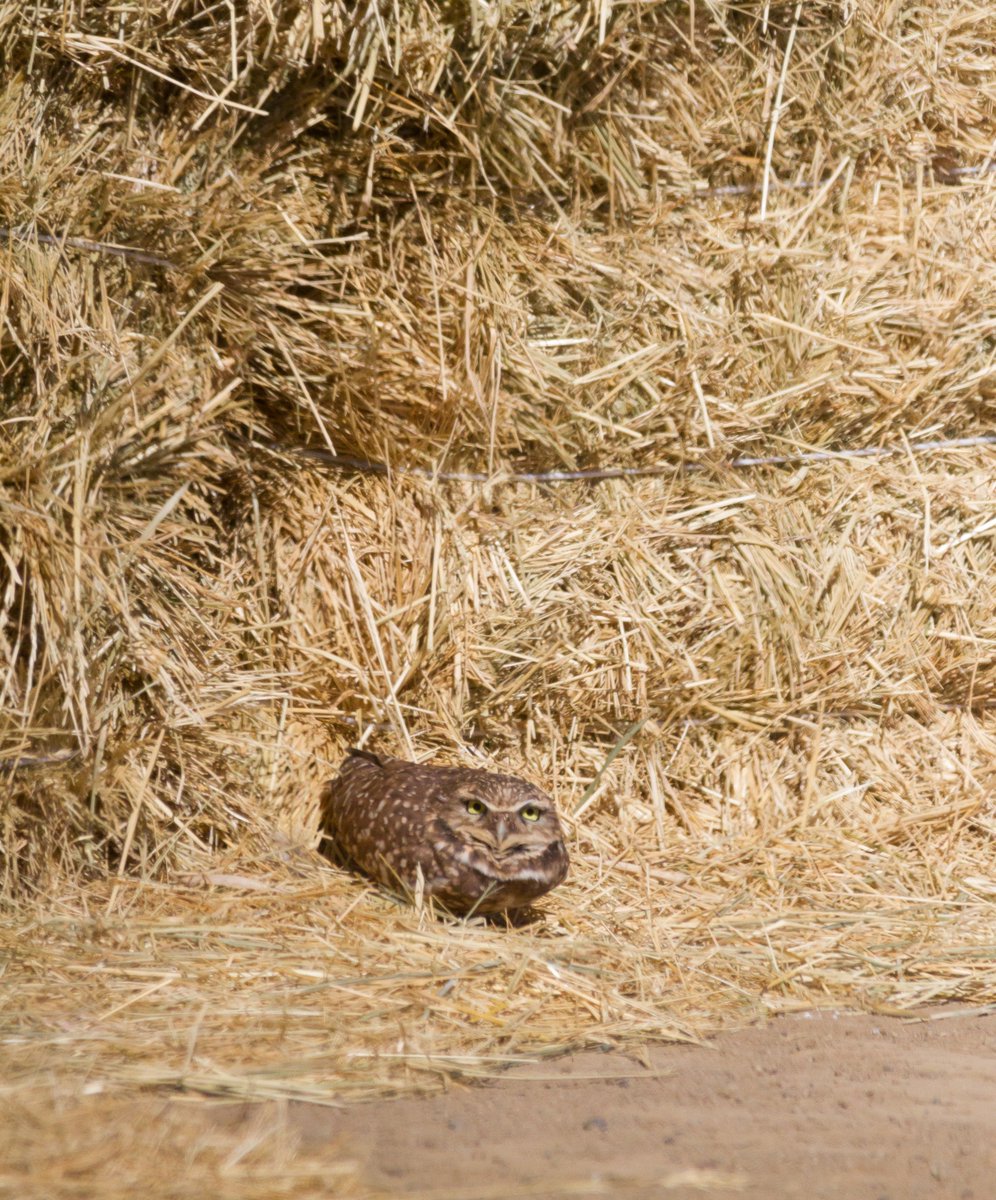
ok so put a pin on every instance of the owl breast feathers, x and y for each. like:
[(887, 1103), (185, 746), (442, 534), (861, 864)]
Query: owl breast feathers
[(481, 842)]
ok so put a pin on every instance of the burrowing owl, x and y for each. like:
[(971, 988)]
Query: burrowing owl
[(482, 842)]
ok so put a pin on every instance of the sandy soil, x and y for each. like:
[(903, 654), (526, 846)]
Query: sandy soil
[(822, 1106)]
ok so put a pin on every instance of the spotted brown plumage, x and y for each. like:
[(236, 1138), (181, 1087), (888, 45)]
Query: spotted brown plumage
[(482, 842)]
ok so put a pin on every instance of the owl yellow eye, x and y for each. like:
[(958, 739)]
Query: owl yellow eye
[(530, 812), (476, 808)]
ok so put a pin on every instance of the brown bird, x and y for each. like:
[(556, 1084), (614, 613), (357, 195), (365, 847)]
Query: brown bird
[(481, 842)]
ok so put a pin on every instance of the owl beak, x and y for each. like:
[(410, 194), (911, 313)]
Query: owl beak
[(501, 831)]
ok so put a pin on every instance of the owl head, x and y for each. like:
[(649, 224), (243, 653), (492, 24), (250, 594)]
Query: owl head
[(505, 816), (502, 837)]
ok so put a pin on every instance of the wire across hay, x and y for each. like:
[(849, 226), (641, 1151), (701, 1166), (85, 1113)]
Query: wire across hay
[(497, 241)]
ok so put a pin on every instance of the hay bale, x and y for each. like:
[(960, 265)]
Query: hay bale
[(244, 252)]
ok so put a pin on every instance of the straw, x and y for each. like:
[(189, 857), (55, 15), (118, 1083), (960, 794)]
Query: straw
[(746, 641)]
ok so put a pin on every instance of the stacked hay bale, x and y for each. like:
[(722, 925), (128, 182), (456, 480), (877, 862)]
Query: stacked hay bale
[(247, 248)]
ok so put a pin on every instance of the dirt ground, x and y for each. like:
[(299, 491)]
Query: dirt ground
[(823, 1105)]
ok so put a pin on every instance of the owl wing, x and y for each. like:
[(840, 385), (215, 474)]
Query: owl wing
[(377, 817)]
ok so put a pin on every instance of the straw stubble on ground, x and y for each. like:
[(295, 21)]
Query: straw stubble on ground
[(245, 251)]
